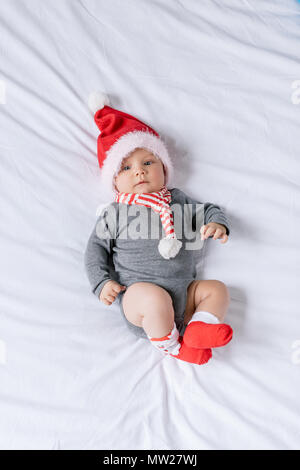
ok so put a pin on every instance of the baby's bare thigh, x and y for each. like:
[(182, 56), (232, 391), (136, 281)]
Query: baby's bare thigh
[(143, 298)]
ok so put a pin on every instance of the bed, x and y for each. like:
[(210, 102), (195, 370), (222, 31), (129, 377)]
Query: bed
[(220, 80)]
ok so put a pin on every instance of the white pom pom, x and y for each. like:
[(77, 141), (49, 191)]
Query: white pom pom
[(169, 247), (97, 100)]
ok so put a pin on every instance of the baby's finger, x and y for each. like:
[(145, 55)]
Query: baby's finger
[(218, 233), (202, 229), (210, 231), (118, 288), (224, 238), (110, 298)]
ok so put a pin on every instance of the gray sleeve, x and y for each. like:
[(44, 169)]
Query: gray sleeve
[(212, 212), (98, 254)]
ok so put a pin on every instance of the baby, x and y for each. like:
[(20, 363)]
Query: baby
[(153, 277)]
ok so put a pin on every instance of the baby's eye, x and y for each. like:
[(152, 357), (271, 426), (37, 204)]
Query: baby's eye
[(149, 161), (124, 167)]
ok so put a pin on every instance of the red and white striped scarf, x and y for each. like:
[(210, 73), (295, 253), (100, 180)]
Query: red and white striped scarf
[(159, 201)]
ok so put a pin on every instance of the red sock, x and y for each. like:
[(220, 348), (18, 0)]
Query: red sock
[(173, 345), (200, 334), (193, 355)]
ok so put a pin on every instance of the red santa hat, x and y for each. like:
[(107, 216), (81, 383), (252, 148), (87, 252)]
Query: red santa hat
[(120, 134)]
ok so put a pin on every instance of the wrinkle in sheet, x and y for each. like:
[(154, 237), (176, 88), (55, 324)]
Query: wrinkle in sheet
[(115, 31)]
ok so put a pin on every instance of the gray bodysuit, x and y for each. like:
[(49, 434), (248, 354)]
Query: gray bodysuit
[(124, 247)]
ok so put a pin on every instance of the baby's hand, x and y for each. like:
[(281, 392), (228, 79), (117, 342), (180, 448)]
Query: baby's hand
[(110, 291), (218, 230)]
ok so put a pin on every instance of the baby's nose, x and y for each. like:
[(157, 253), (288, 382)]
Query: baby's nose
[(140, 170)]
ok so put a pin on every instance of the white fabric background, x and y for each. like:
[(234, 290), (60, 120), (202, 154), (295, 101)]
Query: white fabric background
[(216, 79)]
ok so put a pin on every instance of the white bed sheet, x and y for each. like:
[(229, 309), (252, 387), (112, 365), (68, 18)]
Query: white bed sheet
[(219, 80)]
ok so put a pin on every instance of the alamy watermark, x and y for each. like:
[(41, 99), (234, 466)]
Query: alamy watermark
[(295, 97), (295, 358), (135, 222)]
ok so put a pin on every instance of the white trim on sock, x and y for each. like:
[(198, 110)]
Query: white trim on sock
[(206, 317), (172, 344)]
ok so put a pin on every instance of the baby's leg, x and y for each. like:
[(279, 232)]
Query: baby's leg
[(207, 304), (211, 295), (150, 307)]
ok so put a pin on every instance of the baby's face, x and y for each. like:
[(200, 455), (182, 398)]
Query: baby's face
[(140, 165)]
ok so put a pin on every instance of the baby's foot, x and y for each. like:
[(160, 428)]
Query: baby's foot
[(199, 334), (193, 355)]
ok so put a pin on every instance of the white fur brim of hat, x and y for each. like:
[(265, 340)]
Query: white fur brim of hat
[(125, 145)]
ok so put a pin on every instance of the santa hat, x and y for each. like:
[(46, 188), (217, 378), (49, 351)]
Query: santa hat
[(120, 134)]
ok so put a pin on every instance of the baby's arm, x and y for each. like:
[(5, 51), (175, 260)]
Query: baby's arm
[(213, 213), (204, 212), (98, 255)]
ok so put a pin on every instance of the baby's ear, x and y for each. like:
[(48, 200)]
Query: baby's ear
[(114, 183), (165, 173)]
